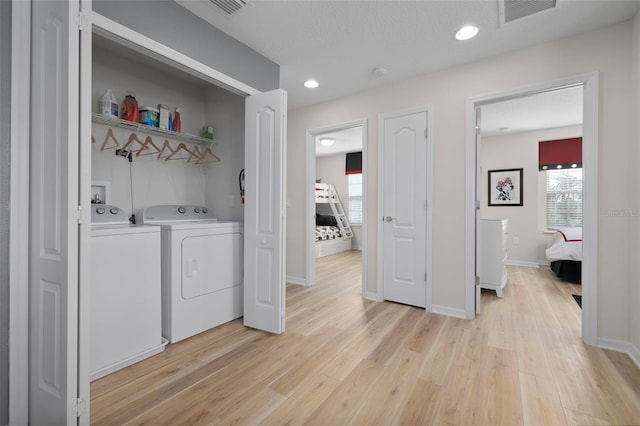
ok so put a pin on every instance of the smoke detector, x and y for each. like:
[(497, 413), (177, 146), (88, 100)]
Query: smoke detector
[(511, 10), (379, 71)]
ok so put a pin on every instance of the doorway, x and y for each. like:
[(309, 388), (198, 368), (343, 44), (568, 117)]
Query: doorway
[(336, 160), (589, 85)]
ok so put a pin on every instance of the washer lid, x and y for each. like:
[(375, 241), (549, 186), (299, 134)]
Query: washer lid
[(101, 230)]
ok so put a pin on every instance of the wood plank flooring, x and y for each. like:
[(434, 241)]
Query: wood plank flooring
[(344, 360)]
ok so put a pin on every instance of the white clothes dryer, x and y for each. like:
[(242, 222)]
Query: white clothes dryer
[(125, 291), (202, 269)]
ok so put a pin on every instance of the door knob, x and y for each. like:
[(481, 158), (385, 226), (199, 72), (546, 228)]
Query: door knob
[(388, 218)]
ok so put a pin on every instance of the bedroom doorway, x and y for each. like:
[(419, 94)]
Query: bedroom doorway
[(477, 184), (336, 202)]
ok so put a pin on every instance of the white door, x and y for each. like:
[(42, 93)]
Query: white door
[(477, 206), (54, 230), (264, 271), (404, 210)]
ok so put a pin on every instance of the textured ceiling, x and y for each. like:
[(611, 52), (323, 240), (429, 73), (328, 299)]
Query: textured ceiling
[(339, 43), (558, 108), (547, 110), (348, 140)]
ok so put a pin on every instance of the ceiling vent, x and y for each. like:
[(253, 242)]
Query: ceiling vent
[(511, 10), (228, 7)]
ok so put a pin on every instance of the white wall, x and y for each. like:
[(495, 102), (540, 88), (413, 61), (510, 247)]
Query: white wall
[(634, 299), (225, 111), (330, 169), (606, 51), (5, 176), (526, 223)]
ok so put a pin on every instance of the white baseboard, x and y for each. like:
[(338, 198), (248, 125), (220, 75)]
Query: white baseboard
[(524, 263), (621, 346), (369, 295), (296, 280), (445, 310)]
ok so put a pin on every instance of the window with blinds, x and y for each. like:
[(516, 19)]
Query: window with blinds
[(564, 198), (355, 198)]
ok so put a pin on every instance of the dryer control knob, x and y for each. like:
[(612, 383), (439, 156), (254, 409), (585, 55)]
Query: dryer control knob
[(196, 210), (182, 210), (114, 210), (205, 211), (100, 210)]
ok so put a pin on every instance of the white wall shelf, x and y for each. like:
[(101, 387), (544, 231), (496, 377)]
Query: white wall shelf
[(139, 127)]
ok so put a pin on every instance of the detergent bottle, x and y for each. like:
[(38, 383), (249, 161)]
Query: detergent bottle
[(108, 105), (130, 108)]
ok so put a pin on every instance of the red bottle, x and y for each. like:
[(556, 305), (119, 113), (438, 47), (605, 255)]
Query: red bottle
[(130, 108), (177, 124)]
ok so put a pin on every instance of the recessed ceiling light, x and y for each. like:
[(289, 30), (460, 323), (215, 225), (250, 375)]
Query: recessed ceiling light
[(311, 84), (327, 141), (466, 32)]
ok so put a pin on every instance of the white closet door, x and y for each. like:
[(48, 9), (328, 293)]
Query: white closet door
[(264, 249), (405, 209), (53, 363)]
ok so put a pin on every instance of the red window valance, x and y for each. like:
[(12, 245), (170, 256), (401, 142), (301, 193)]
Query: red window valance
[(354, 163), (560, 154)]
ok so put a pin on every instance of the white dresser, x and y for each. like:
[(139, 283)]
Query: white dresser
[(493, 254)]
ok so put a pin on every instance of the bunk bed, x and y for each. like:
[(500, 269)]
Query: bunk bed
[(333, 232)]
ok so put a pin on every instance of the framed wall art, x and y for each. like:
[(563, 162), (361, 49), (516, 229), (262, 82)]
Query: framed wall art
[(505, 187)]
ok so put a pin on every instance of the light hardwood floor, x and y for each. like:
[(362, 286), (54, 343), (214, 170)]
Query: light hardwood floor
[(345, 360)]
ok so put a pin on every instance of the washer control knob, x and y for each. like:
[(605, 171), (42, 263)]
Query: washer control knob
[(114, 210), (205, 211), (196, 210), (182, 210), (100, 210)]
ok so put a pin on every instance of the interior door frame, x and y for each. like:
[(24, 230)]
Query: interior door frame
[(311, 200), (429, 228), (19, 221), (590, 84)]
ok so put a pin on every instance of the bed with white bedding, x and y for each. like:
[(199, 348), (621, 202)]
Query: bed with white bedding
[(565, 254), (329, 238)]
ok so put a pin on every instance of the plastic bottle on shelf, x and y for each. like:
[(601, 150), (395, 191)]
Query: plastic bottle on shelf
[(108, 105), (130, 108), (177, 124)]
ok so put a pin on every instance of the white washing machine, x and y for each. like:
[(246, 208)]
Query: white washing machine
[(126, 308), (202, 276)]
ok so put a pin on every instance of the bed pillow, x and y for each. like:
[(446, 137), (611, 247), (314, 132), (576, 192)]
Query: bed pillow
[(326, 220)]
